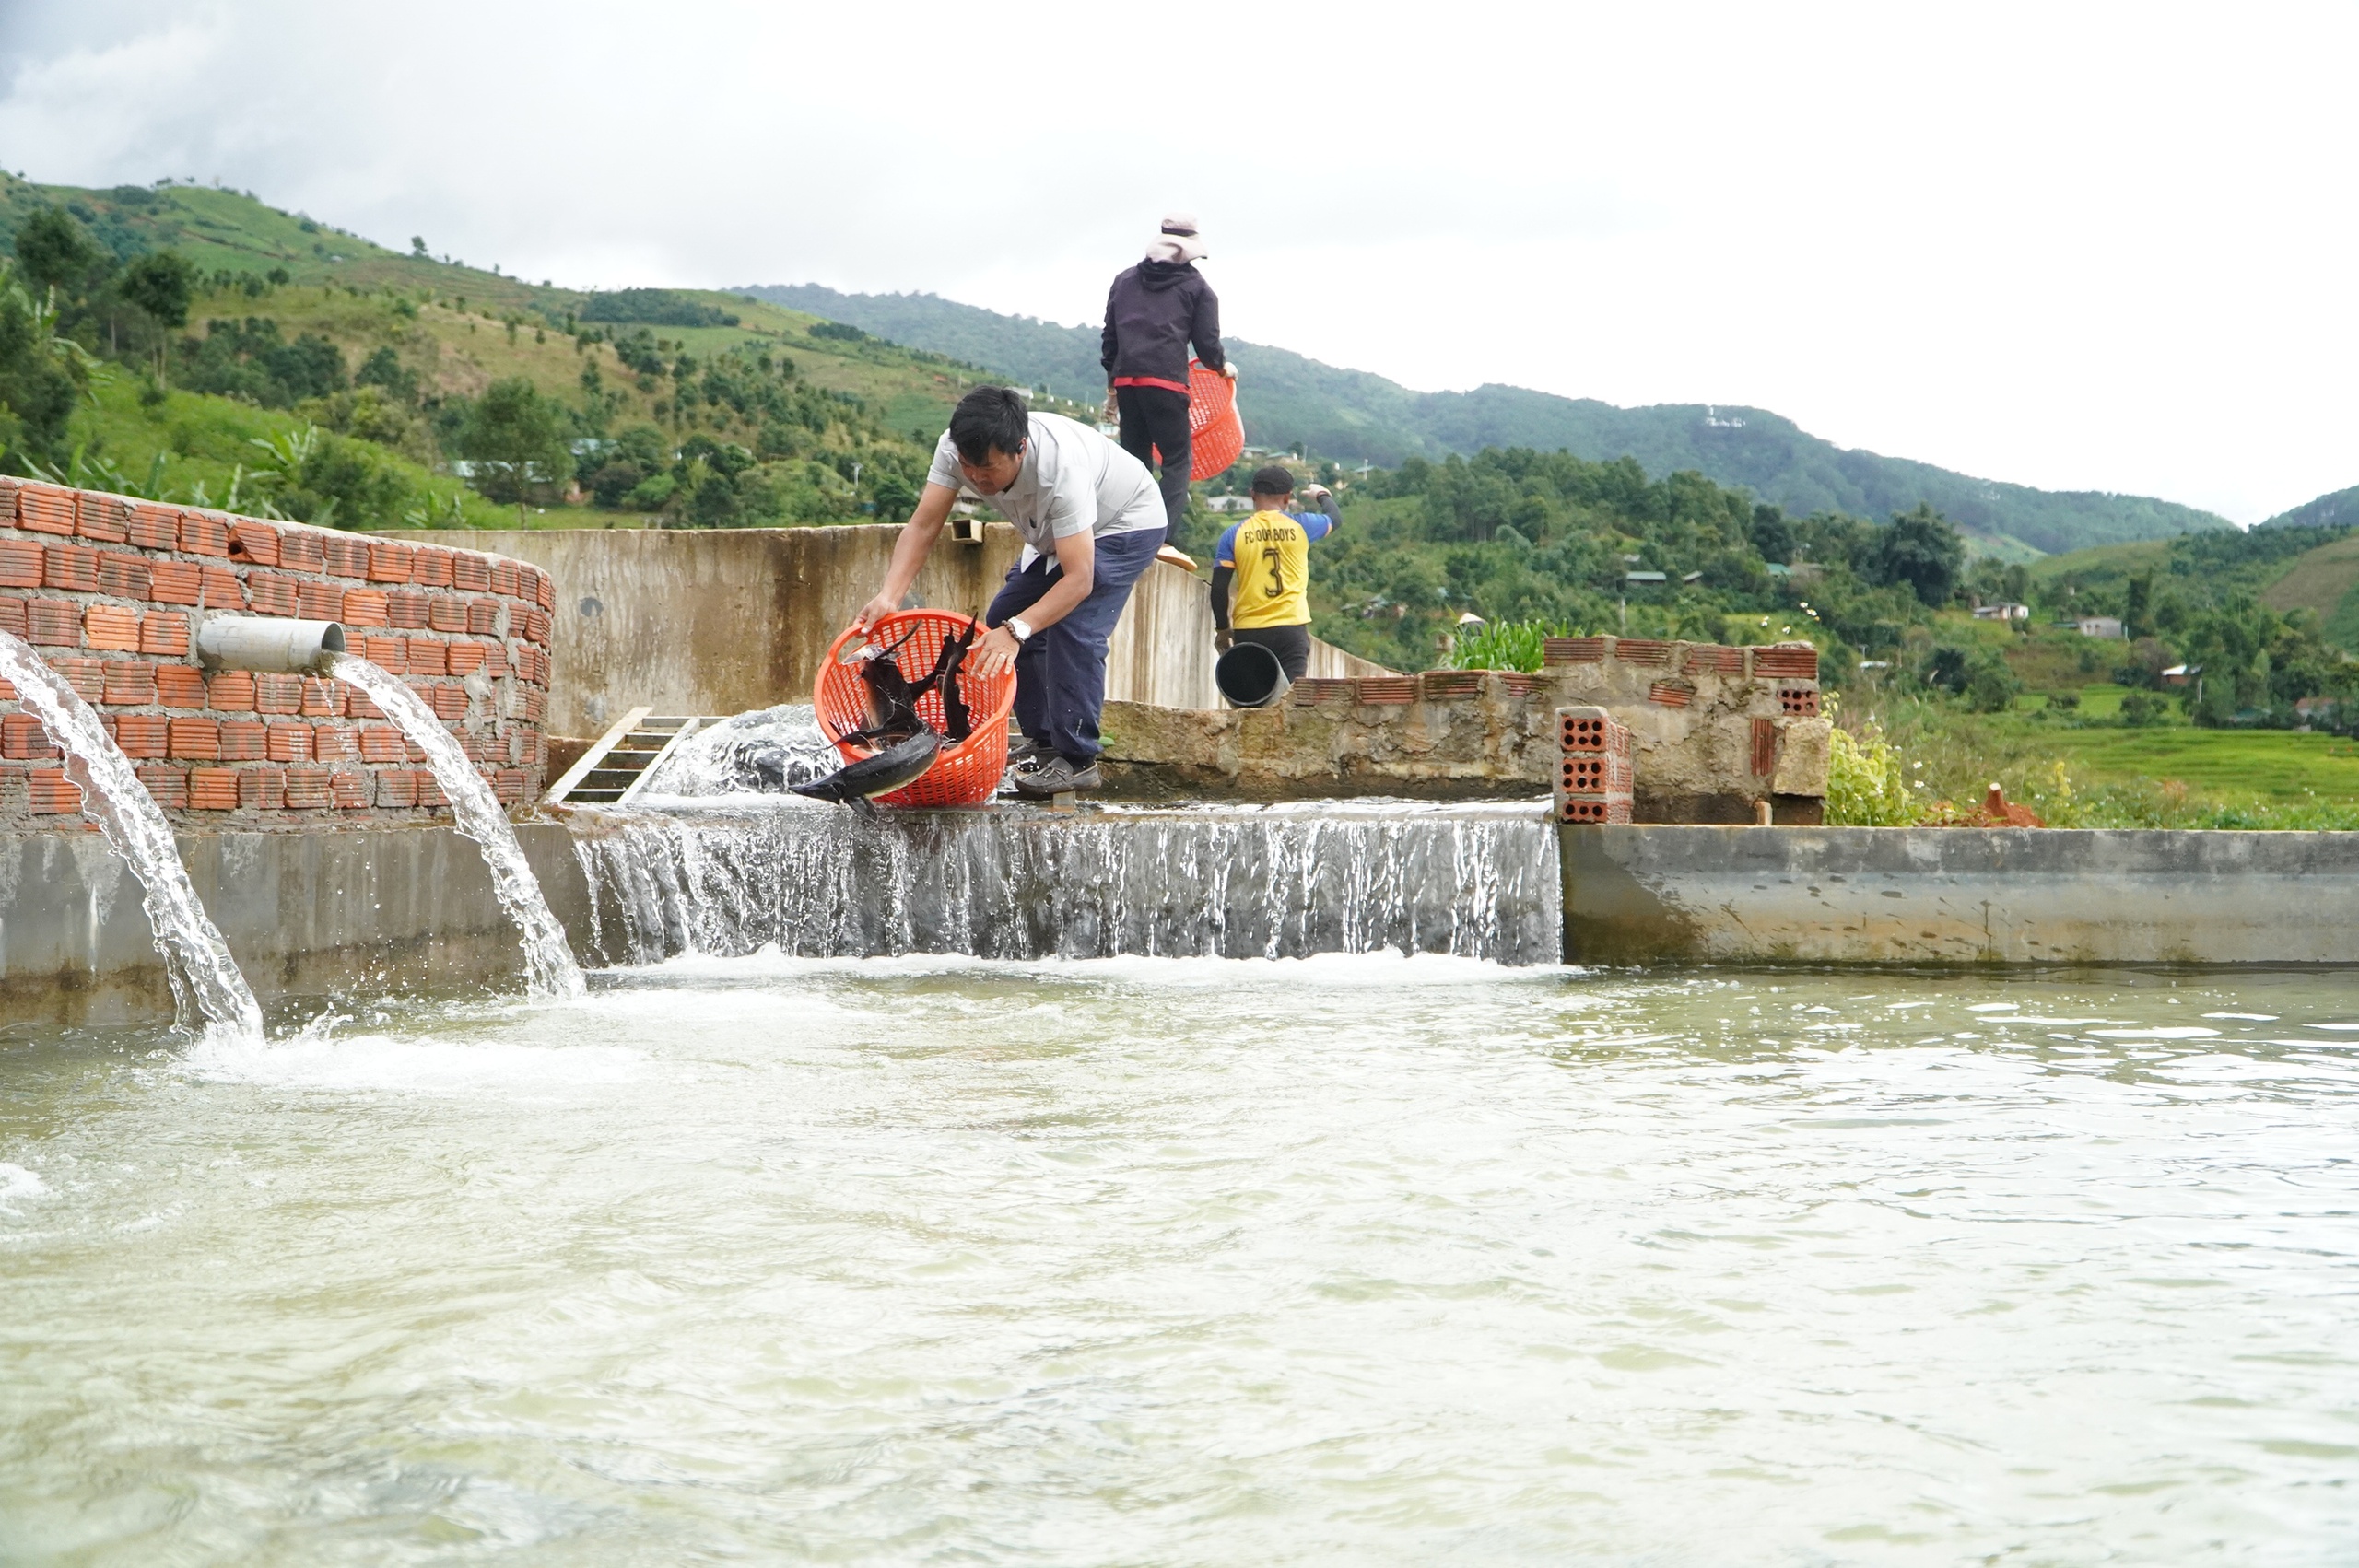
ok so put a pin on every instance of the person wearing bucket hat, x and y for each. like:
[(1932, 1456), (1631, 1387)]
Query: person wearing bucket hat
[(1153, 312)]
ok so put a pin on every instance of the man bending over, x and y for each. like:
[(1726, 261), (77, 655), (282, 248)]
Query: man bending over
[(1091, 520)]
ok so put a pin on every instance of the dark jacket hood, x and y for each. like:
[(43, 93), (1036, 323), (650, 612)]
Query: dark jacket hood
[(1160, 276)]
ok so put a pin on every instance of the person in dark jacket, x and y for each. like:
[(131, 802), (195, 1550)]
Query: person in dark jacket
[(1154, 311)]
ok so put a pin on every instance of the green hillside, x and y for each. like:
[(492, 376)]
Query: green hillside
[(650, 404), (2288, 569), (1353, 416), (2324, 582)]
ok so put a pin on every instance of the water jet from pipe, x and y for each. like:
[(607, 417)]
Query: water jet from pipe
[(204, 975), (549, 969)]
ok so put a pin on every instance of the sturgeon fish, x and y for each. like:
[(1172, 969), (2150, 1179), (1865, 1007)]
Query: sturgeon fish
[(902, 763)]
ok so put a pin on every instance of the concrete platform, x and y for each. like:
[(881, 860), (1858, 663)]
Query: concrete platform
[(1910, 896), (360, 912)]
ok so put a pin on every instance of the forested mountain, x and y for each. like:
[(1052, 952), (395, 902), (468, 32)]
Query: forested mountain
[(1355, 416), (2337, 508)]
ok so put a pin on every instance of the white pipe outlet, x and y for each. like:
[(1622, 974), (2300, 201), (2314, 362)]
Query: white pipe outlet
[(268, 643)]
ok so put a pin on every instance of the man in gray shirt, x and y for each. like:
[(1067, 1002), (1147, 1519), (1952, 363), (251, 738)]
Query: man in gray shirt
[(1091, 519)]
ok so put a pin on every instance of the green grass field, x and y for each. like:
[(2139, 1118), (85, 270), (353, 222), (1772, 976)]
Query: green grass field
[(2086, 771), (2276, 765)]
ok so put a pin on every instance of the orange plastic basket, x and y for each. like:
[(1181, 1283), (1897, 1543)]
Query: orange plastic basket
[(1215, 430), (965, 774)]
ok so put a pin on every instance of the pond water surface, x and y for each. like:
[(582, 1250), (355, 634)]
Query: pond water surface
[(1353, 1259)]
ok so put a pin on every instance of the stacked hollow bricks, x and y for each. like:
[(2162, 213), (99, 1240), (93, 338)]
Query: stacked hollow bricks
[(1792, 665), (1595, 775), (109, 591)]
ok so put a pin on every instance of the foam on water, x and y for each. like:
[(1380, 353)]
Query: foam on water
[(1384, 969), (1353, 1259), (15, 1183), (324, 1057)]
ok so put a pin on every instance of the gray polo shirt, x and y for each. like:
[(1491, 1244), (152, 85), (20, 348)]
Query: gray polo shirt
[(1074, 481)]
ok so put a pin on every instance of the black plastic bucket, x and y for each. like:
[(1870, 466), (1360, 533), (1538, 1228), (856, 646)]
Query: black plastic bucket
[(1250, 676)]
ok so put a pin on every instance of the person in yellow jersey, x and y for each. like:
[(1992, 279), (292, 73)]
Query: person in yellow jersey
[(1265, 562)]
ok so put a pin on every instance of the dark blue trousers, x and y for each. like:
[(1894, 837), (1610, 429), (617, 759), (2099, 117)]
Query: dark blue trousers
[(1061, 671)]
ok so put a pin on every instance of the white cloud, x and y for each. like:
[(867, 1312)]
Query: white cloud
[(2080, 247)]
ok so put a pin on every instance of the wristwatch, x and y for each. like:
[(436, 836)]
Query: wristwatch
[(1018, 629)]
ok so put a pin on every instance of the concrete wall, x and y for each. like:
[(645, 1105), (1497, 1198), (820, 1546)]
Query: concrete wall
[(111, 591), (1654, 895), (1449, 735), (721, 621), (307, 915), (361, 914)]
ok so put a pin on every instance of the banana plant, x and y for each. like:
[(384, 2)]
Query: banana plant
[(432, 512), (42, 314), (291, 453), (83, 471), (201, 495)]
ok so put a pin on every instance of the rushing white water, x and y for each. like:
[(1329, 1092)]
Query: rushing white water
[(207, 985), (1351, 1260), (550, 971), (1236, 882), (760, 753)]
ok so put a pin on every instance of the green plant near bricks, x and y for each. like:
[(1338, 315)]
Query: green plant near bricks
[(1503, 645), (1866, 783)]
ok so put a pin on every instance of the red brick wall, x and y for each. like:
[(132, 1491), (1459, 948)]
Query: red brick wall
[(108, 589)]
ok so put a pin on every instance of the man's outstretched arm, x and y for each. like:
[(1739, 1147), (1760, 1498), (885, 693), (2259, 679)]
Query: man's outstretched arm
[(910, 552)]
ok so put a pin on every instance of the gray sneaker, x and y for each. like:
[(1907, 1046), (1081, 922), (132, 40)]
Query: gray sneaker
[(1028, 754), (1056, 777)]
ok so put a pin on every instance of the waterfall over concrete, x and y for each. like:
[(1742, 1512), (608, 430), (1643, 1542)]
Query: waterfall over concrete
[(205, 977), (550, 971), (733, 875)]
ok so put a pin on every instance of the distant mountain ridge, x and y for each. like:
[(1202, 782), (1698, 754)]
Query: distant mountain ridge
[(1354, 415), (2337, 508)]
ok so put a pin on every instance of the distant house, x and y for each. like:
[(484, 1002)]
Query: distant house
[(1228, 504), (2100, 625), (1644, 578), (1776, 569), (2002, 612), (2181, 675)]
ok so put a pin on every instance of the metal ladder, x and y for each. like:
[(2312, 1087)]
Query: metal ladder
[(611, 771)]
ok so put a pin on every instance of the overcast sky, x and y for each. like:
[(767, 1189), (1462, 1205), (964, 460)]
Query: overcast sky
[(2073, 246)]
